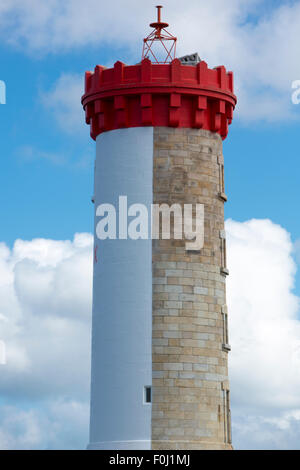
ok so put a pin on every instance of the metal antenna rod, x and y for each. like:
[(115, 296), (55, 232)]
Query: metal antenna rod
[(159, 7)]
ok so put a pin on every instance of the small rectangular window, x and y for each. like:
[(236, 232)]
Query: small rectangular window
[(228, 417), (147, 394)]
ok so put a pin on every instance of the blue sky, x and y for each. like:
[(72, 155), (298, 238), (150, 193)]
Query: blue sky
[(46, 179), (54, 179)]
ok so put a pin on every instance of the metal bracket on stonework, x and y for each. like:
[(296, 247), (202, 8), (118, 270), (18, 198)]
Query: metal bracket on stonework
[(223, 197), (223, 234), (225, 385), (224, 271)]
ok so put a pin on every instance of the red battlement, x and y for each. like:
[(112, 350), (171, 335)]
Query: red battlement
[(148, 94)]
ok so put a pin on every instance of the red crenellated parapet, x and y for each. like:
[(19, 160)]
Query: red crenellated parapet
[(148, 94)]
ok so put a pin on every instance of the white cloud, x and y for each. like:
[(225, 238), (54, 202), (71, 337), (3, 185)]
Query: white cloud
[(45, 310), (257, 39), (45, 306), (63, 100), (265, 334), (56, 425)]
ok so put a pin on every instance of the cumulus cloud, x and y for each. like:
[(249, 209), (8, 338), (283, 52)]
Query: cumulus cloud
[(56, 425), (265, 335), (257, 39), (63, 101), (45, 309), (45, 306)]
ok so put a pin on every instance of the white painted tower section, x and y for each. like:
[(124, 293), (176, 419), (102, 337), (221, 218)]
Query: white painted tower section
[(122, 299)]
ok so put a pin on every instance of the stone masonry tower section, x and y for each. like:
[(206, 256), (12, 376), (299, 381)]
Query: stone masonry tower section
[(159, 334), (190, 408)]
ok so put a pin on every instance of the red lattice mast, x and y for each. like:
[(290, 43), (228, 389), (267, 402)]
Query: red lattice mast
[(162, 36)]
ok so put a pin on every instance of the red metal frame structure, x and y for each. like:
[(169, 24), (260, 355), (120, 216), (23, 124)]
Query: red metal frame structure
[(160, 34)]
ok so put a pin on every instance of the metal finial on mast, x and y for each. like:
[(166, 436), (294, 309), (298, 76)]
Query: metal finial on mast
[(161, 35), (159, 7)]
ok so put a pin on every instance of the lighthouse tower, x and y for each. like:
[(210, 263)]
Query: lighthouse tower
[(159, 329)]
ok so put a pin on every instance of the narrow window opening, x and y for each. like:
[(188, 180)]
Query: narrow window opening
[(147, 394), (226, 328), (222, 179), (228, 417), (223, 254), (222, 194), (226, 346)]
